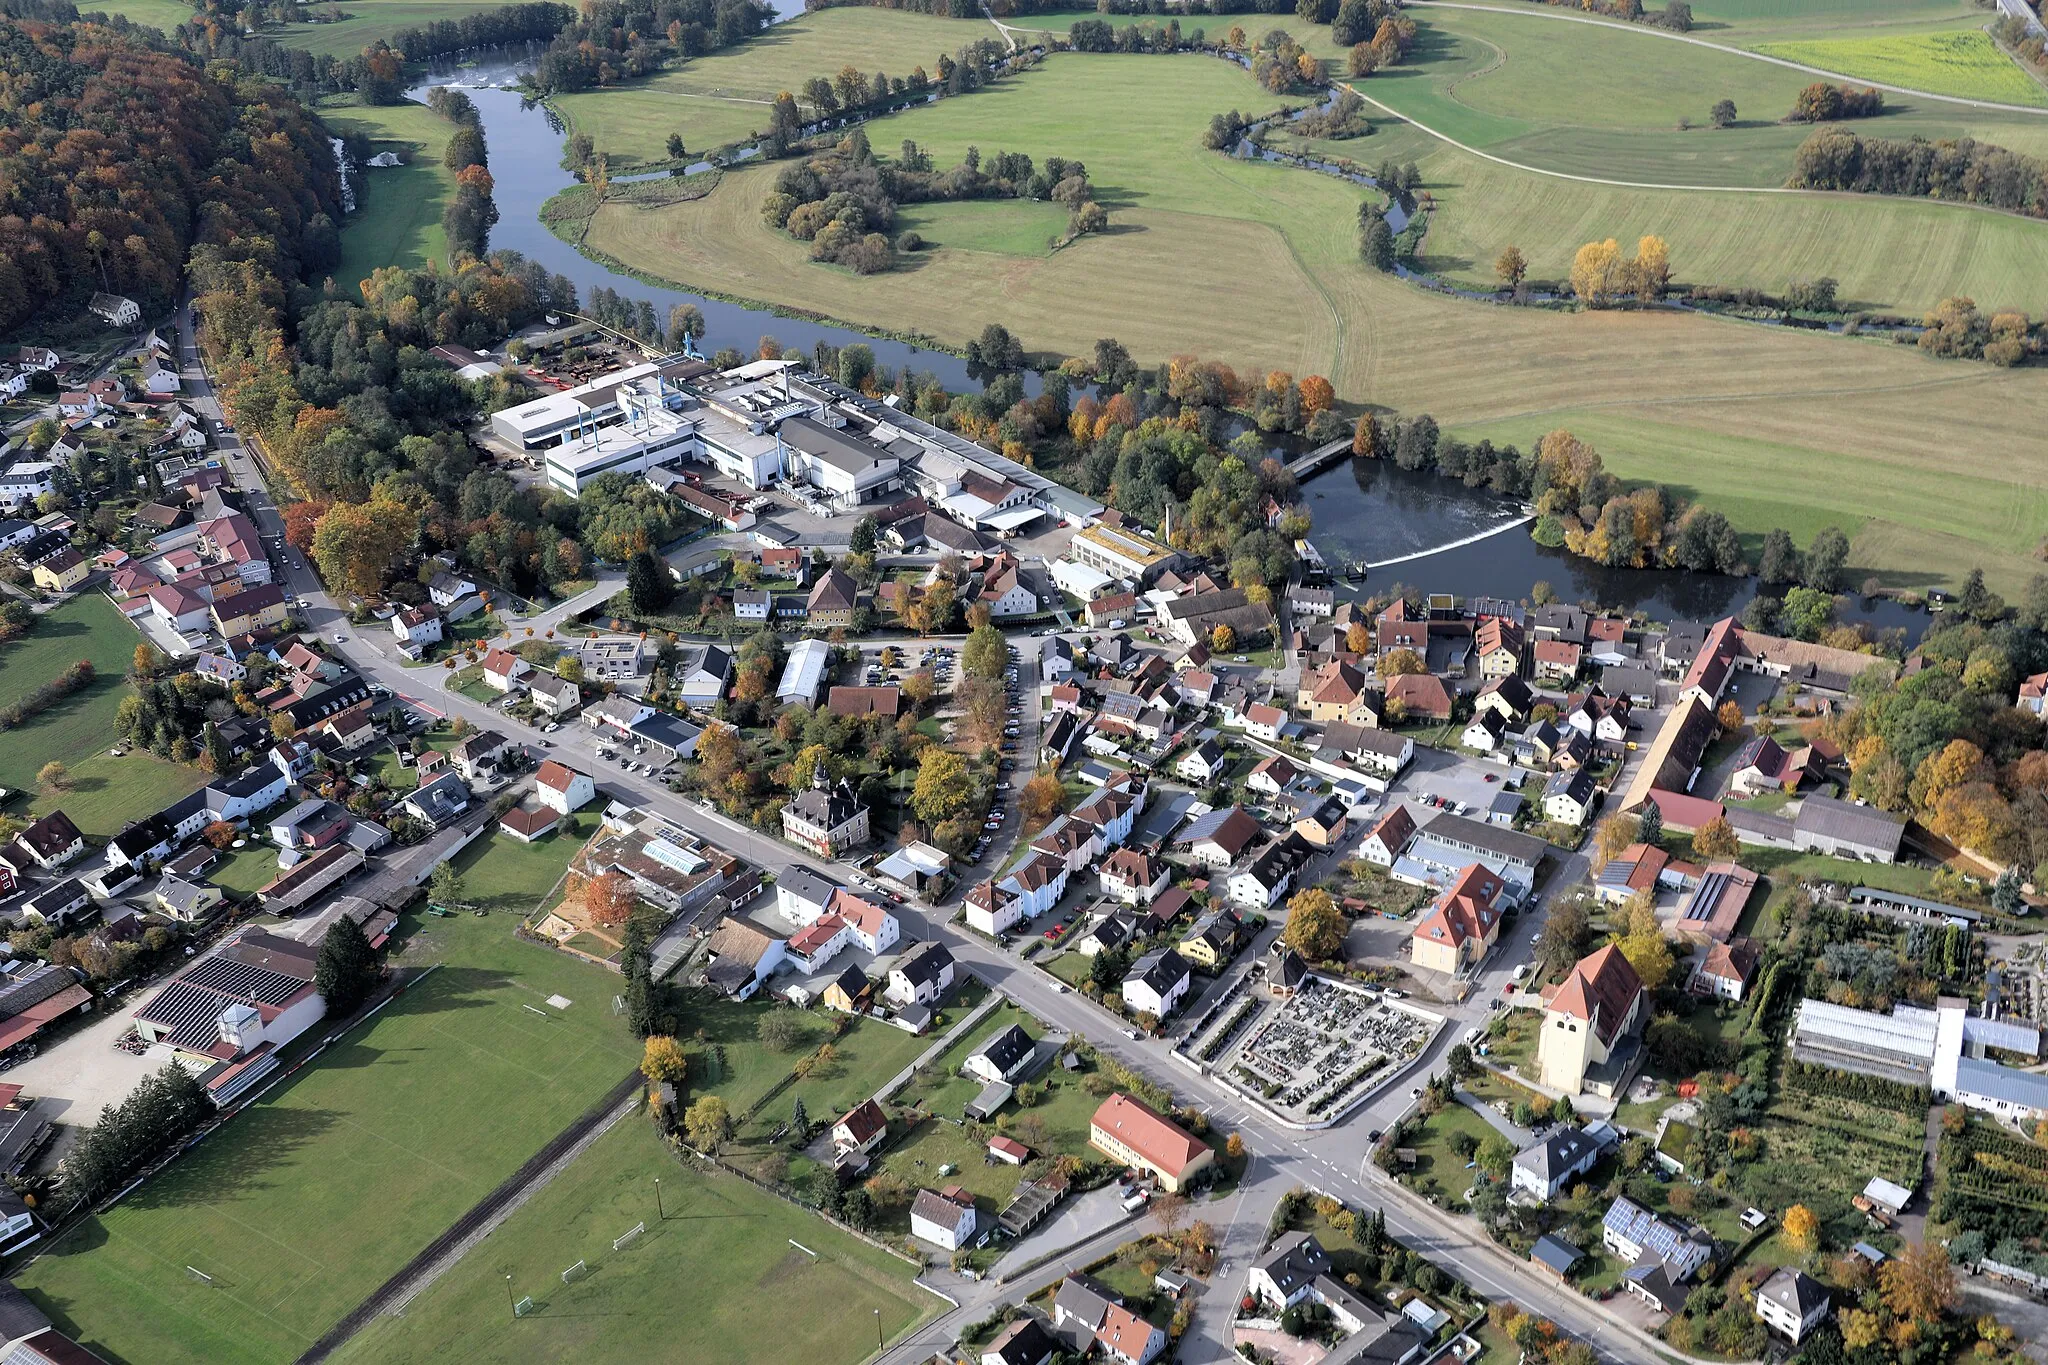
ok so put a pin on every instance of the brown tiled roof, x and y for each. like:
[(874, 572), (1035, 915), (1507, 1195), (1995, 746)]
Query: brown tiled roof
[(1598, 992), (1160, 1141)]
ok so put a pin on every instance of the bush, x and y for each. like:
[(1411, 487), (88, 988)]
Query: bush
[(909, 242)]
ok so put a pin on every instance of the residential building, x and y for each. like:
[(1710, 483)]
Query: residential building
[(1384, 843), (1134, 878), (1569, 797), (833, 601), (51, 841), (1792, 1303), (1214, 938), (62, 572), (861, 1129), (1024, 1342), (1486, 731), (1463, 924), (1727, 969), (437, 801), (826, 818), (922, 976), (562, 789), (1218, 839), (1498, 645), (1036, 884), (1590, 1021), (1003, 1058), (527, 824), (947, 1223), (1322, 824), (742, 956), (557, 697), (1131, 1132), (1204, 764), (1643, 1239), (1269, 875), (1156, 983), (1547, 1165), (991, 910), (504, 670)]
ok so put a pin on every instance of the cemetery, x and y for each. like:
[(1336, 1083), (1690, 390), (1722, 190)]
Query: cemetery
[(1315, 1053)]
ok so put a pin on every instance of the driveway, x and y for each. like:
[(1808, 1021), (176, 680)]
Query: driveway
[(83, 1073), (1089, 1215)]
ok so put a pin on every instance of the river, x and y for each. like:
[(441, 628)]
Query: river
[(1368, 509)]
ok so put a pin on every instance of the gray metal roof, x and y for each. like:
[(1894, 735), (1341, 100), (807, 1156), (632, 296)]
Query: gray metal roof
[(1846, 822), (1996, 1082)]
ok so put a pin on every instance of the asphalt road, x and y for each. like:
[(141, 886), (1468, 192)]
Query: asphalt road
[(1333, 1160)]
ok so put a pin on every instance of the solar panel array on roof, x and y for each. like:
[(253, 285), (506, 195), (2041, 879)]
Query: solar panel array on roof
[(1702, 904), (191, 1015), (1637, 1225), (243, 980)]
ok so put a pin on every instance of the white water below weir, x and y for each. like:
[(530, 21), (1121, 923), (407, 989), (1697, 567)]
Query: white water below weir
[(1477, 536), (341, 161)]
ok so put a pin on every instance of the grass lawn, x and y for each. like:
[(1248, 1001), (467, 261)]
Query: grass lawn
[(723, 98), (105, 792), (163, 14), (309, 1199), (1437, 1167), (1005, 228), (502, 874), (722, 1256), (246, 870), (1962, 62), (1695, 401), (398, 221)]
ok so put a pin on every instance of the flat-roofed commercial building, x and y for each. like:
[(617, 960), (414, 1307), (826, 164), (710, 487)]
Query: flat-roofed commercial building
[(560, 416), (1121, 552)]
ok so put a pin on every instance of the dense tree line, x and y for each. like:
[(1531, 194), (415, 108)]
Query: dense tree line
[(471, 212), (1676, 15), (38, 699), (611, 40), (117, 157), (518, 23), (1960, 169), (163, 1108)]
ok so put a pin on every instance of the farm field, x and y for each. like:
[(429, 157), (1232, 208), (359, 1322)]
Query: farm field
[(717, 1279), (314, 1195), (1961, 62), (163, 14), (724, 97), (1887, 255), (1487, 78), (398, 221), (105, 792), (1294, 297)]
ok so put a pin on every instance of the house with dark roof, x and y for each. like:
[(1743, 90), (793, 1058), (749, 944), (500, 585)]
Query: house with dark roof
[(1546, 1165), (921, 976), (1792, 1303), (50, 841), (1156, 984), (1005, 1057)]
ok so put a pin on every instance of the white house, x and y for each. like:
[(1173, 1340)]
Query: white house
[(162, 381), (1005, 1057), (991, 910), (1485, 731), (1792, 1304), (801, 895), (1551, 1162), (503, 670), (1157, 983), (872, 927), (562, 789), (449, 588), (417, 627), (921, 976), (947, 1223), (751, 604), (1203, 764), (1037, 883), (1568, 796), (1134, 878), (701, 677), (1261, 883)]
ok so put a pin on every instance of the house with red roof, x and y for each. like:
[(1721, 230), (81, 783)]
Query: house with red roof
[(1463, 924), (1133, 1133)]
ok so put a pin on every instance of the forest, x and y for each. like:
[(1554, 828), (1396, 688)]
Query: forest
[(118, 157)]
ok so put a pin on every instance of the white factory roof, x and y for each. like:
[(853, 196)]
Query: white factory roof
[(805, 669), (566, 406)]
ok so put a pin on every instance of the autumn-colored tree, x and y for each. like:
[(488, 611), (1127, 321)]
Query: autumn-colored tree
[(1650, 272), (1358, 638), (1614, 836), (708, 1122), (1802, 1229), (1918, 1282), (145, 662), (1315, 928), (1316, 395), (1044, 796), (1729, 714), (1861, 1329), (919, 688), (663, 1059), (219, 834), (1716, 839), (1223, 639), (1643, 944), (1510, 267), (1952, 766), (1365, 437), (53, 777), (609, 899), (1233, 1146), (356, 544), (1398, 662), (1598, 273), (943, 786)]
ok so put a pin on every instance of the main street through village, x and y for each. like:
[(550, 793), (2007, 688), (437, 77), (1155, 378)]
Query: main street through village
[(1334, 1160)]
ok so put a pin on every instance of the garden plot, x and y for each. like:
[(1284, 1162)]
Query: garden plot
[(1325, 1046)]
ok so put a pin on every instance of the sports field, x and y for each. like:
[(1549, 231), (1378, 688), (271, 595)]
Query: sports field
[(718, 1279), (106, 792), (723, 98), (315, 1195), (398, 220), (1962, 62)]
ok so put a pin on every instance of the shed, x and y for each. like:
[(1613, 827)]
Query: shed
[(1890, 1197), (1555, 1255), (993, 1097)]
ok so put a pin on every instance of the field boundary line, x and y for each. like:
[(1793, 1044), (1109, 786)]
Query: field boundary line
[(481, 1217), (1650, 32)]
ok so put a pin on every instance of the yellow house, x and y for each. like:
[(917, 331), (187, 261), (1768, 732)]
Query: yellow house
[(1338, 692), (1463, 925), (1586, 1021), (253, 609), (62, 572), (1498, 644), (1213, 940), (1132, 1133)]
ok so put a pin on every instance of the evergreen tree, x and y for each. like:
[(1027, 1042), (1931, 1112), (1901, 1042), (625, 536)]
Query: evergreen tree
[(1650, 824), (2005, 893), (800, 1121), (217, 755), (648, 584), (862, 541), (346, 971), (638, 965), (1376, 245), (1779, 562)]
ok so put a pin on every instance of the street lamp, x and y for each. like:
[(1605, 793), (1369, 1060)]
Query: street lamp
[(509, 1299), (659, 1211), (878, 1329)]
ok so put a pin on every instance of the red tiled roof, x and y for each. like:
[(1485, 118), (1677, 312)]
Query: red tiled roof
[(1161, 1142), (1468, 909), (1598, 992)]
